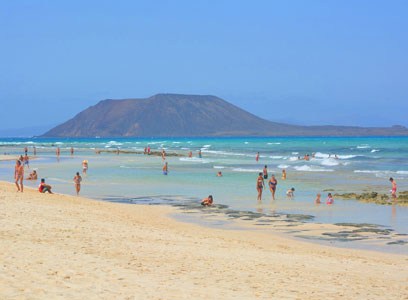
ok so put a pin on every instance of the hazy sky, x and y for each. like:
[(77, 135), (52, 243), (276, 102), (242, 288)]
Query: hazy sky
[(303, 62)]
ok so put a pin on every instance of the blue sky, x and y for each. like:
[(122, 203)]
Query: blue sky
[(302, 62)]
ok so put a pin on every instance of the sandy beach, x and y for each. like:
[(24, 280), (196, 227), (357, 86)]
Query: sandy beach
[(64, 247)]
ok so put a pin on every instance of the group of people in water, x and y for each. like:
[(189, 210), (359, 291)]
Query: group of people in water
[(23, 161)]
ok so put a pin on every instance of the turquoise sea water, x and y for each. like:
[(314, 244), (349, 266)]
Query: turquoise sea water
[(362, 164)]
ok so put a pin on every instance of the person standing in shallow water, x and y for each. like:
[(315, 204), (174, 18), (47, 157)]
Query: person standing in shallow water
[(394, 188), (260, 185), (77, 182), (257, 156), (283, 174), (265, 172), (272, 186)]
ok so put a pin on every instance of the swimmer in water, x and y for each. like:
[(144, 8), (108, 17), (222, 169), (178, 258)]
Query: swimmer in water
[(329, 199), (318, 199)]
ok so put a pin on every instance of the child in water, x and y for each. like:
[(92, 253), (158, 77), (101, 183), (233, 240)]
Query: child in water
[(290, 193), (329, 199), (317, 200)]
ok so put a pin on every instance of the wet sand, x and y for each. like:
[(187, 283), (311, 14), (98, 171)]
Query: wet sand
[(64, 247)]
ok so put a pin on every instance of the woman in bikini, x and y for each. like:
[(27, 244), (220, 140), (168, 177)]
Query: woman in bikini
[(260, 185), (272, 186), (19, 175)]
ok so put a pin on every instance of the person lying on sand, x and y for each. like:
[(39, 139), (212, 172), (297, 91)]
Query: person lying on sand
[(33, 175), (207, 201)]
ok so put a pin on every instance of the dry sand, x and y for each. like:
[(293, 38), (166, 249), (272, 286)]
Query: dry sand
[(64, 247)]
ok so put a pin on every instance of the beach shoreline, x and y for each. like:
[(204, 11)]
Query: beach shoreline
[(60, 246)]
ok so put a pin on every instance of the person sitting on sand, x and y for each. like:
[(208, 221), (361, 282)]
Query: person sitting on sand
[(33, 175), (219, 174), (42, 188), (394, 188), (329, 199), (207, 201), (318, 200), (290, 193)]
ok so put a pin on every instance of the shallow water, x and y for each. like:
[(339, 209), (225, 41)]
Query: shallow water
[(362, 164)]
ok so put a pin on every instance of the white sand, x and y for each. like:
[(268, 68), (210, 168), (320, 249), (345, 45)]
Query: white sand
[(63, 247)]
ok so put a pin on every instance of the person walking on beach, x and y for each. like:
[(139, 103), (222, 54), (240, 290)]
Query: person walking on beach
[(26, 161), (265, 172), (394, 188), (260, 185), (84, 166), (163, 154), (58, 151), (165, 168), (34, 151), (272, 186), (77, 182), (19, 175)]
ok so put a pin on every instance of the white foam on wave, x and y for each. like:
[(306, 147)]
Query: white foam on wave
[(374, 150), (225, 153), (283, 166), (321, 155), (346, 156), (364, 146), (293, 158), (329, 162), (307, 168), (402, 172), (218, 167), (274, 143), (246, 143), (206, 146), (59, 143), (276, 157), (246, 170), (366, 171), (195, 160), (295, 153), (112, 143)]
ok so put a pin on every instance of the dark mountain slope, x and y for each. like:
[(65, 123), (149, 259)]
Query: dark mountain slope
[(189, 115)]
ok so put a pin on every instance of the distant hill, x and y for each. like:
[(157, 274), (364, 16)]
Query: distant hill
[(175, 115)]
